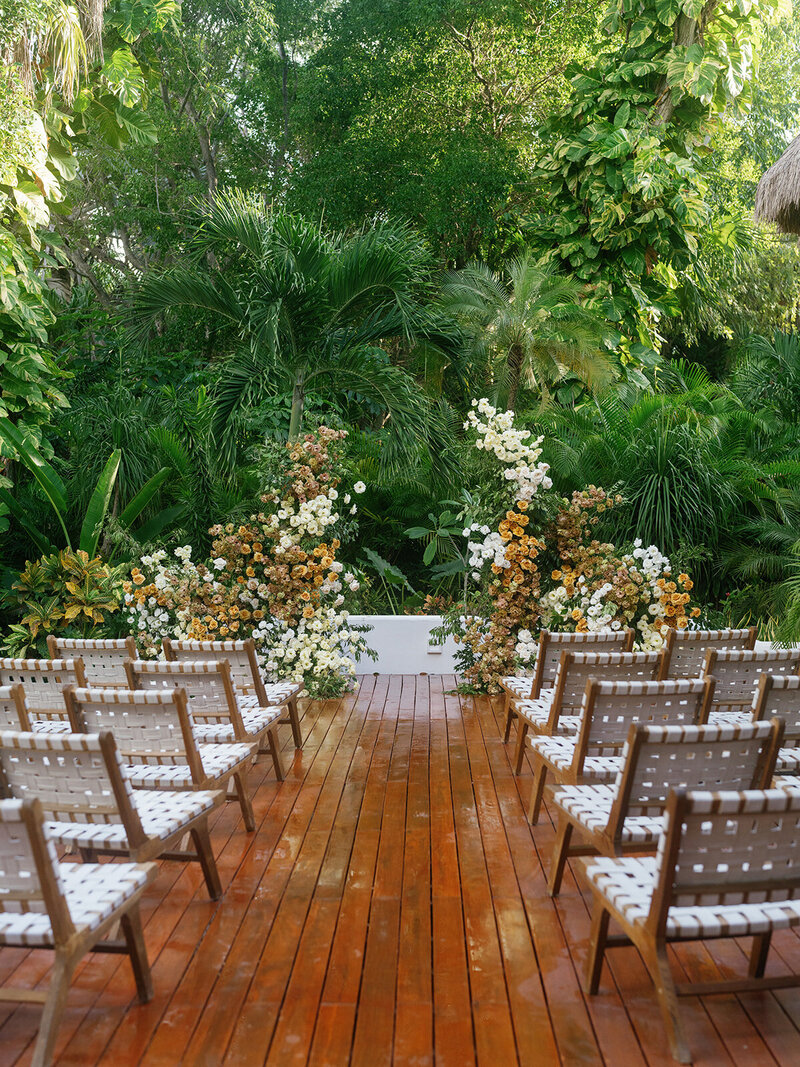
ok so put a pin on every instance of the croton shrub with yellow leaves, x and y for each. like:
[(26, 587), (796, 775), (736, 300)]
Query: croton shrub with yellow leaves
[(66, 593), (535, 562), (274, 578)]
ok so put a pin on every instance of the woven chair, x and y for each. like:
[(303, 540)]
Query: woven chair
[(728, 865), (737, 675), (251, 689), (154, 737), (80, 782), (558, 712), (548, 657), (103, 660), (686, 649), (13, 709), (628, 816), (69, 907), (779, 696), (43, 681), (608, 710), (215, 714)]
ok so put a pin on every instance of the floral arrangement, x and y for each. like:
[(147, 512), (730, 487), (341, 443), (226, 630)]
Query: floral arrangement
[(591, 588), (271, 578)]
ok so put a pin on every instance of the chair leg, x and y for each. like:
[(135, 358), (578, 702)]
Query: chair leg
[(597, 947), (519, 752), (53, 1009), (275, 752), (537, 792), (758, 954), (294, 719), (510, 715), (131, 925), (560, 854), (205, 855), (240, 781), (658, 966)]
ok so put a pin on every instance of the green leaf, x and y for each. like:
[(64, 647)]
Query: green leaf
[(164, 519), (98, 504), (429, 553), (45, 476), (134, 509), (15, 508), (622, 115), (417, 531)]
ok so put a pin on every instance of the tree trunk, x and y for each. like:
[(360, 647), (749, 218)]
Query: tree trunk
[(515, 360), (298, 400), (206, 151), (284, 150)]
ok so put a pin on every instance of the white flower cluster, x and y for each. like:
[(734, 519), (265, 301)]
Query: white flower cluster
[(652, 564), (492, 549), (321, 645), (311, 519), (526, 647), (497, 434), (153, 619)]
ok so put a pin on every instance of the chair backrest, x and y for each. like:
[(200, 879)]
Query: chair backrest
[(43, 681), (727, 848), (737, 673), (148, 726), (13, 709), (686, 649), (75, 777), (103, 660), (657, 759), (576, 668), (29, 874), (208, 686), (240, 655), (611, 707), (779, 695), (551, 645)]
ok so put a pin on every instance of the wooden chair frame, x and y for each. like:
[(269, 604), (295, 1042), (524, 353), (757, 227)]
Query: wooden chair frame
[(717, 660), (65, 671), (199, 650), (180, 674), (13, 708), (609, 839), (568, 660), (672, 884), (70, 943), (704, 639), (125, 647), (120, 806), (702, 690), (174, 702), (545, 664)]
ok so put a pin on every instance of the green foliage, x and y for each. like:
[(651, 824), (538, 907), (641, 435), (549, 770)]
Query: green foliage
[(626, 199), (67, 593)]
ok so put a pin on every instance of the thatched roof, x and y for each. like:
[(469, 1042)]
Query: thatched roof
[(778, 193)]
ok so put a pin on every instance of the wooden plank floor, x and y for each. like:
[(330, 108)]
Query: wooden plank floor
[(390, 909)]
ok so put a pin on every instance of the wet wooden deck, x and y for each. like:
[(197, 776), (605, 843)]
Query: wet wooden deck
[(390, 909)]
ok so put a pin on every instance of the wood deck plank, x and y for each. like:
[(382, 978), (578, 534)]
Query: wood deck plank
[(391, 909)]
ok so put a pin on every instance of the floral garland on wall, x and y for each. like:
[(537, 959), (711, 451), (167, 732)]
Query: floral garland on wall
[(270, 578), (592, 587)]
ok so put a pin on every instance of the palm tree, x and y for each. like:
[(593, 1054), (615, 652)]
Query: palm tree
[(304, 310), (529, 325)]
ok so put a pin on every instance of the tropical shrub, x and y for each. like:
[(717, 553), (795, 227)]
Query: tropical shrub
[(67, 593)]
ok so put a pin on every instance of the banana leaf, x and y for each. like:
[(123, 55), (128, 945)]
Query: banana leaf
[(98, 505)]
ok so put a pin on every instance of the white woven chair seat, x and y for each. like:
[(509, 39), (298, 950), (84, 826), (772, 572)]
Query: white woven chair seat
[(590, 807), (93, 891), (730, 718), (218, 760), (628, 885), (788, 761), (162, 815), (50, 726), (254, 719), (536, 714), (277, 693), (518, 685), (559, 753)]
